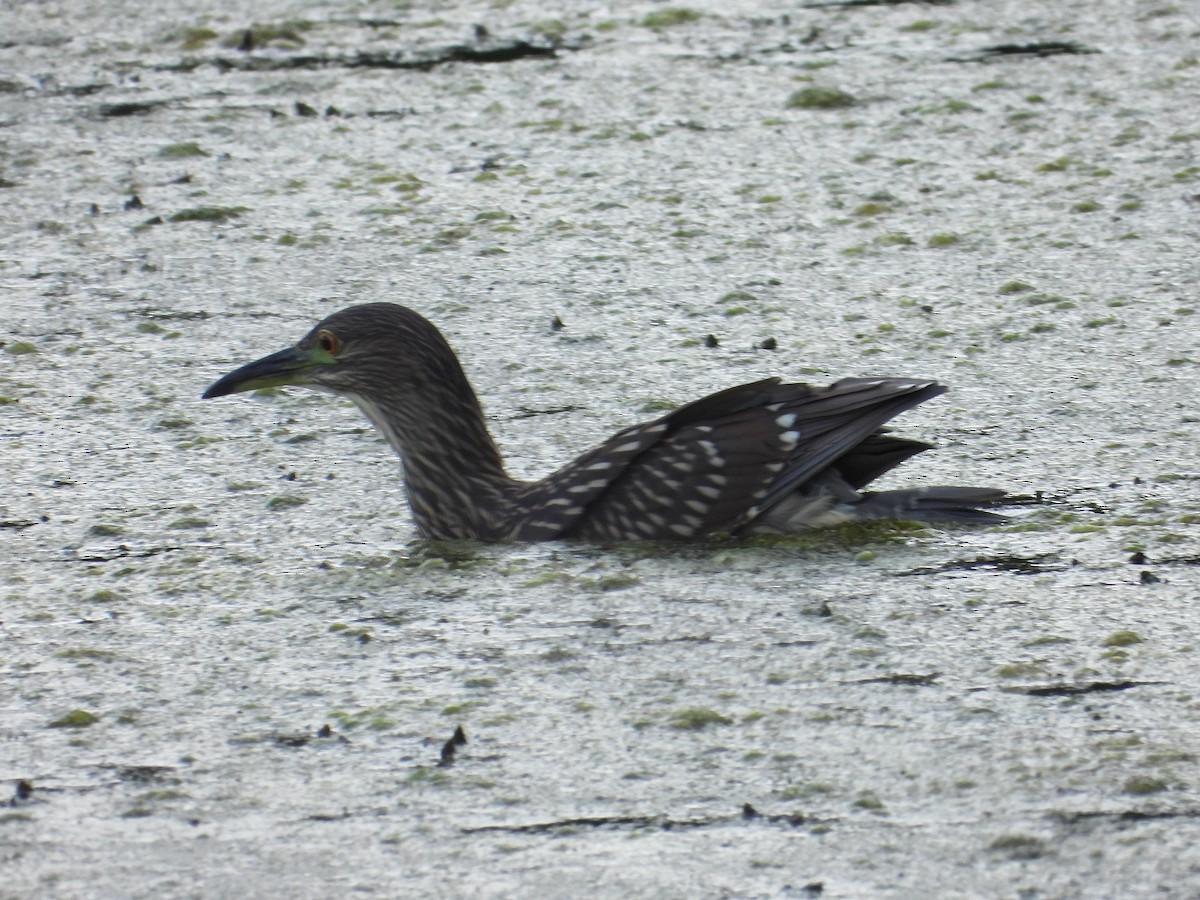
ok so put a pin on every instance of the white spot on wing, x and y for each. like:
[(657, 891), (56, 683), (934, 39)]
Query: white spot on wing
[(710, 449)]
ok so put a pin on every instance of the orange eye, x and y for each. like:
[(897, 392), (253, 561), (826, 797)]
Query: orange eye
[(327, 342)]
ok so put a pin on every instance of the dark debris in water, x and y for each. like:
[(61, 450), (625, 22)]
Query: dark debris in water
[(1071, 690), (1034, 49), (1139, 558), (178, 315), (1180, 561), (121, 551), (292, 739), (130, 108), (1127, 815), (664, 823), (145, 774), (22, 793), (903, 678), (1017, 565), (17, 523), (853, 4), (329, 817), (526, 412), (495, 52), (793, 819), (450, 748), (303, 738)]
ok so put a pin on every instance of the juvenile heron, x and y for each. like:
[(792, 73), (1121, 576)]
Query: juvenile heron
[(762, 457)]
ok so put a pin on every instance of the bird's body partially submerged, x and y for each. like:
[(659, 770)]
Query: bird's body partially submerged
[(765, 456)]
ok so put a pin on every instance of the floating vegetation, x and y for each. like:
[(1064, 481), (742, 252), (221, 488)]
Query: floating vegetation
[(285, 501), (696, 718), (182, 151), (285, 35), (1122, 639), (1019, 846), (671, 15), (815, 97), (208, 214), (76, 718)]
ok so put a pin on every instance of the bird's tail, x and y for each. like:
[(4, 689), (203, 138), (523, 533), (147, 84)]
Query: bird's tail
[(932, 504)]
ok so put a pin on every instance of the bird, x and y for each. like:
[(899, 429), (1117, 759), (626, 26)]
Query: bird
[(763, 457)]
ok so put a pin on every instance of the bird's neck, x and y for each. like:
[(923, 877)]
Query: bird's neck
[(457, 486)]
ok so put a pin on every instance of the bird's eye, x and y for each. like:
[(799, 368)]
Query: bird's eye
[(328, 342)]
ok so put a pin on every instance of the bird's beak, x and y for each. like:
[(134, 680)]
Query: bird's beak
[(290, 366)]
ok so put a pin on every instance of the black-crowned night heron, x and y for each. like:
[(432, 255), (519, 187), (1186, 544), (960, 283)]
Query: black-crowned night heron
[(764, 456)]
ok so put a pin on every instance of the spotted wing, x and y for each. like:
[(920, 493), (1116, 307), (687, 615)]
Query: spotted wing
[(716, 464), (720, 455), (642, 469), (554, 505), (839, 427), (694, 481)]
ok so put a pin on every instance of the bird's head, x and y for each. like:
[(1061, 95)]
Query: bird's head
[(371, 351)]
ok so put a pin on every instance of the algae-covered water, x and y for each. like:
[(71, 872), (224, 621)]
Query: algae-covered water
[(230, 667)]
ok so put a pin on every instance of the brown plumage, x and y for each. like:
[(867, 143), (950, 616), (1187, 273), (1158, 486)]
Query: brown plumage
[(765, 456)]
